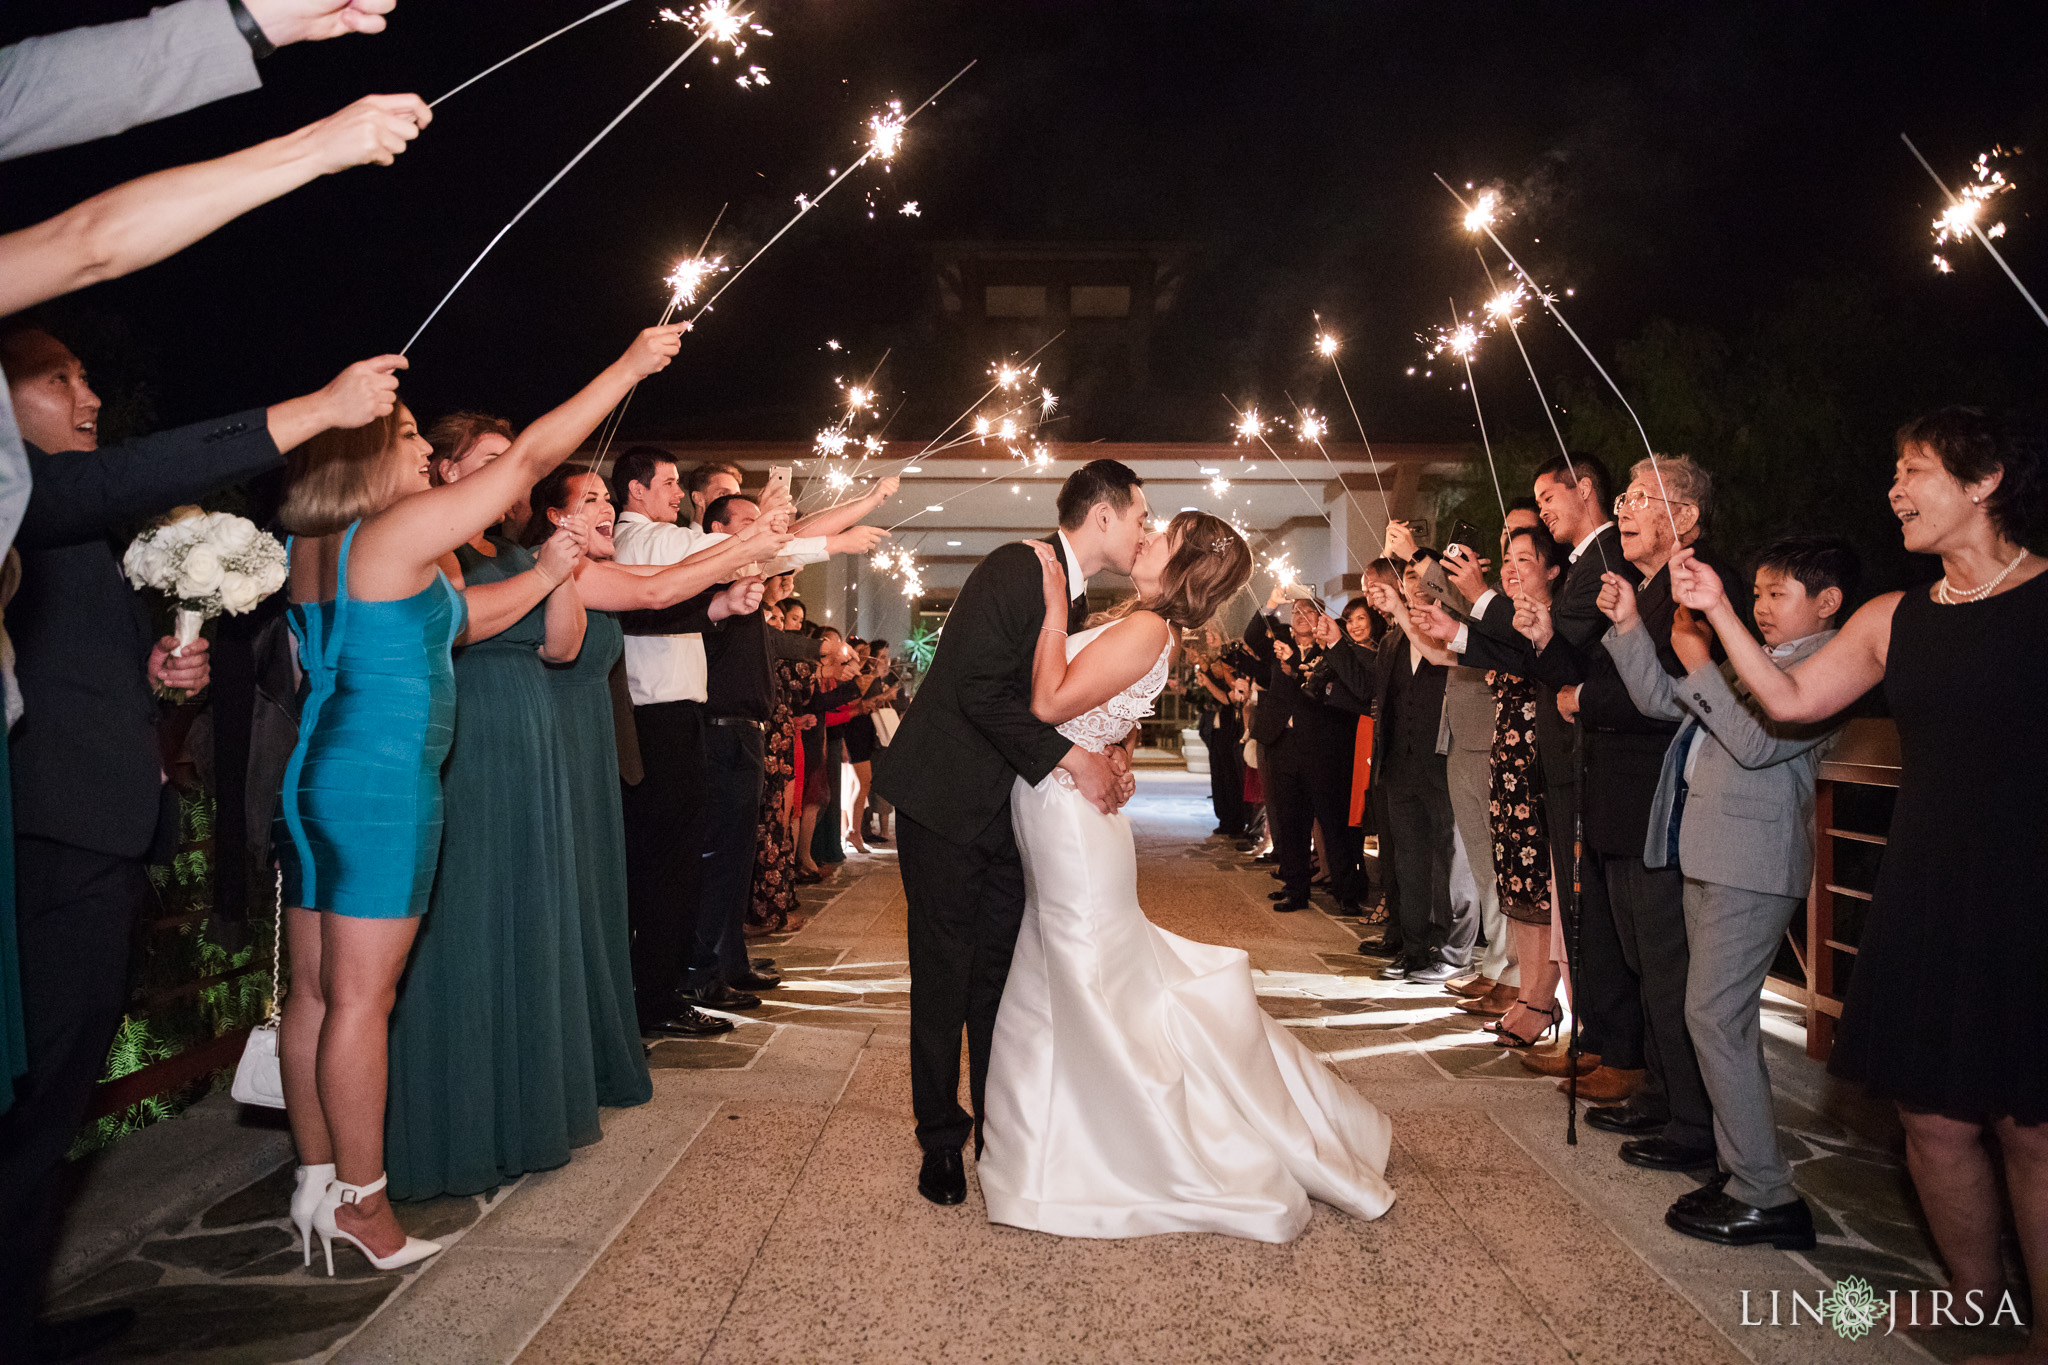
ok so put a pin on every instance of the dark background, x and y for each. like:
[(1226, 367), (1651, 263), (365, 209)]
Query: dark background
[(1721, 185)]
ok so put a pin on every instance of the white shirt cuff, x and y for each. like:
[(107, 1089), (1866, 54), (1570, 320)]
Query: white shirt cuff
[(1479, 603), (1461, 639)]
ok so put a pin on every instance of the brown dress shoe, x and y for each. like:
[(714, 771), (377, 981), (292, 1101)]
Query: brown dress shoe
[(1555, 1061), (1472, 988), (1494, 1003), (1606, 1084)]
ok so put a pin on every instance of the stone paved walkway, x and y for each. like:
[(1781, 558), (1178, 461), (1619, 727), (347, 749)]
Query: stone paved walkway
[(761, 1208)]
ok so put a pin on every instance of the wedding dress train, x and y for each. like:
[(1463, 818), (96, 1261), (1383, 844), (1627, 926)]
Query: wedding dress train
[(1135, 1086)]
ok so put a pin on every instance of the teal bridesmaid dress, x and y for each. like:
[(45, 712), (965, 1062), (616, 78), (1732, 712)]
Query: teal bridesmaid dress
[(583, 723), (491, 1059)]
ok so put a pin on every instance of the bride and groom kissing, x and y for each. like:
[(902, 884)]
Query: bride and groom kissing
[(1124, 1080)]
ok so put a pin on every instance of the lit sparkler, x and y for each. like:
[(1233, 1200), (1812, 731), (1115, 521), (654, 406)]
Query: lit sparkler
[(1326, 346), (1047, 401), (719, 22), (1505, 306), (885, 132), (1964, 211), (1282, 568), (910, 209), (1312, 428), (1480, 216), (1249, 427), (688, 278), (1219, 486)]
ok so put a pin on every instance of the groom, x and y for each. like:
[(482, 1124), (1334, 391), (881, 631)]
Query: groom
[(948, 773)]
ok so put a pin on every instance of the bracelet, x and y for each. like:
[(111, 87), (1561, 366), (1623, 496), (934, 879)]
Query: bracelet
[(1048, 630), (259, 42)]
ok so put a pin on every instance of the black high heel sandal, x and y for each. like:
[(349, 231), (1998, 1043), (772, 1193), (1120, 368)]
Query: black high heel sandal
[(1505, 1038)]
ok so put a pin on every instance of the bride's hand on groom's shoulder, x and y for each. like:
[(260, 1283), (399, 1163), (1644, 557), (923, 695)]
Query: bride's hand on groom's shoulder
[(1053, 578)]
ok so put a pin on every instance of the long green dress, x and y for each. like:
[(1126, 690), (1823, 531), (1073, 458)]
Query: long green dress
[(583, 723), (491, 1070)]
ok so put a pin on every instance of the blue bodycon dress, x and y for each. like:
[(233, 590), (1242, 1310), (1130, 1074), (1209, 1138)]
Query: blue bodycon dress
[(359, 828)]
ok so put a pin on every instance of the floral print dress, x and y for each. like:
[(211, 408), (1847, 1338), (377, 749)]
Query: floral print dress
[(1521, 844), (773, 909)]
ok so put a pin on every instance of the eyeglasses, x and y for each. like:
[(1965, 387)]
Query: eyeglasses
[(1639, 501)]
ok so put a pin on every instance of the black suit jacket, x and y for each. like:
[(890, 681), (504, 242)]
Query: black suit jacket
[(86, 767), (970, 729)]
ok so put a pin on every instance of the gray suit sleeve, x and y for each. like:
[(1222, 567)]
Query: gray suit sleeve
[(1654, 691), (88, 83), (1751, 738)]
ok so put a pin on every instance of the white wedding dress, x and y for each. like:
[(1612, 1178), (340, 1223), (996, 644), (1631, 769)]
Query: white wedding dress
[(1135, 1086)]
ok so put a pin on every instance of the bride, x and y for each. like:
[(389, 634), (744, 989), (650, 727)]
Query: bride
[(1135, 1086)]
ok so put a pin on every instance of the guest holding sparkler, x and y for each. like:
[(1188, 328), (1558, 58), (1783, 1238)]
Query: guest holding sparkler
[(571, 496), (1947, 1014), (376, 618)]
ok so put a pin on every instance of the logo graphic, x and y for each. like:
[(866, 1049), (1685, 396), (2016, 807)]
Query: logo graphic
[(1853, 1308)]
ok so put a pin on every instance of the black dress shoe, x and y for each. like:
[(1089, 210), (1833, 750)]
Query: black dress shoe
[(1662, 1154), (1379, 947), (808, 878), (1729, 1221), (764, 965), (1286, 906), (1716, 1182), (1350, 909), (1625, 1118), (755, 981), (1282, 895), (687, 1023), (719, 996), (76, 1338), (943, 1177)]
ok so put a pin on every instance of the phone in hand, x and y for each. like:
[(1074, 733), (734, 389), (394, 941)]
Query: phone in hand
[(779, 476), (1299, 592)]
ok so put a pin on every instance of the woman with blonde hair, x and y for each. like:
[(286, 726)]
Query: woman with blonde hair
[(360, 822)]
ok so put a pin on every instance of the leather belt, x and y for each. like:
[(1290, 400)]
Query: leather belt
[(737, 720)]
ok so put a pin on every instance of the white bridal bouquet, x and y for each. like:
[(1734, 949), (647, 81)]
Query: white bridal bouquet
[(206, 562)]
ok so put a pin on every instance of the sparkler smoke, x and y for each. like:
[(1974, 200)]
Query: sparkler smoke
[(601, 9), (1469, 340), (1479, 218), (704, 35), (1962, 215), (885, 139)]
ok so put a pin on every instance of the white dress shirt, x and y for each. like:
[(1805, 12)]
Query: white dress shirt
[(663, 668), (1464, 635), (1077, 583)]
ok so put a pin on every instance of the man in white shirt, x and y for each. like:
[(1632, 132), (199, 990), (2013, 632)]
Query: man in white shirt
[(666, 680)]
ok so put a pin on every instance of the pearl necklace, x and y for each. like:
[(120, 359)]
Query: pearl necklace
[(1950, 597)]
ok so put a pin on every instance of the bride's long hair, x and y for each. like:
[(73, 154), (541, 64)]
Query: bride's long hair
[(1207, 569)]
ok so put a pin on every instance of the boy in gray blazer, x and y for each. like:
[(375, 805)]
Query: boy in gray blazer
[(1734, 810)]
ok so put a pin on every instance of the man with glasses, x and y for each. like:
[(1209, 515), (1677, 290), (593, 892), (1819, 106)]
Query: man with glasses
[(1669, 1118)]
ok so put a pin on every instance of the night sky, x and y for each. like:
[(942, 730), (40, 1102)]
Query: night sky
[(1688, 161)]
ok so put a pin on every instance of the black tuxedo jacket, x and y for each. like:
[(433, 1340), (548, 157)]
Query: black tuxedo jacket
[(970, 728), (86, 767)]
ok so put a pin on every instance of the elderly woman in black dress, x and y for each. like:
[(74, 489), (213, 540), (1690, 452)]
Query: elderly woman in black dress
[(1947, 1013)]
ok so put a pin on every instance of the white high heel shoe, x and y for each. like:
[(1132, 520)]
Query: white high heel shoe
[(340, 1192), (306, 1197)]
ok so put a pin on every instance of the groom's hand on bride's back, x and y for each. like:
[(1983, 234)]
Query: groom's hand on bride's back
[(1095, 778), (1126, 781)]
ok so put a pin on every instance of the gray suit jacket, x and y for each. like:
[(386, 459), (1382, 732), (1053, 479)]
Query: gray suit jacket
[(88, 83), (1748, 819)]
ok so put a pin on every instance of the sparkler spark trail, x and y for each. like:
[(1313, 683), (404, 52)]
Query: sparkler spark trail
[(689, 276), (1329, 351), (1326, 346), (601, 9), (1487, 201), (1956, 202), (805, 203), (556, 179), (1471, 339), (1249, 427)]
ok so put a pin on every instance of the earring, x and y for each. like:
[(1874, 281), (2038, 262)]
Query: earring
[(1976, 499)]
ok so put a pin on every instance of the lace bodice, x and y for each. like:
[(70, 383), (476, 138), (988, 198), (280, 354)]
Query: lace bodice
[(1108, 723)]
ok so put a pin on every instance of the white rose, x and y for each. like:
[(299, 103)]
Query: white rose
[(147, 563), (239, 593), (233, 535), (200, 574)]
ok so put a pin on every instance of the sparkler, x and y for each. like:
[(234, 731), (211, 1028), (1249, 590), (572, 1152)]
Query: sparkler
[(1326, 346), (1479, 217), (1465, 339), (601, 9), (1250, 428), (705, 33), (689, 276), (1963, 212)]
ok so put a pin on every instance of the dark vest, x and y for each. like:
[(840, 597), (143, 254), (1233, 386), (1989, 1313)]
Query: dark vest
[(1415, 707)]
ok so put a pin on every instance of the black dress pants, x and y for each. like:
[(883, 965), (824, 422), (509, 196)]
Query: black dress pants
[(1224, 736), (661, 875), (1288, 777), (75, 917), (1606, 995), (1419, 828), (722, 844), (966, 906), (1343, 842), (1649, 915)]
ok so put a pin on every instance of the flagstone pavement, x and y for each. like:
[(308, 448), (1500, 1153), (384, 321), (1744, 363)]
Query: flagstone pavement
[(761, 1208)]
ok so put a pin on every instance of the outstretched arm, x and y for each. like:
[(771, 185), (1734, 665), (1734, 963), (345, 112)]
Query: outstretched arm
[(400, 545), (138, 224), (644, 587), (1827, 682), (844, 517)]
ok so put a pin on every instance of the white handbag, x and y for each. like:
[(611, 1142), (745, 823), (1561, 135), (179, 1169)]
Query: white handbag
[(258, 1080)]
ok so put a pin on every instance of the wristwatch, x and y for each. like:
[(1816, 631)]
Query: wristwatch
[(259, 45)]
